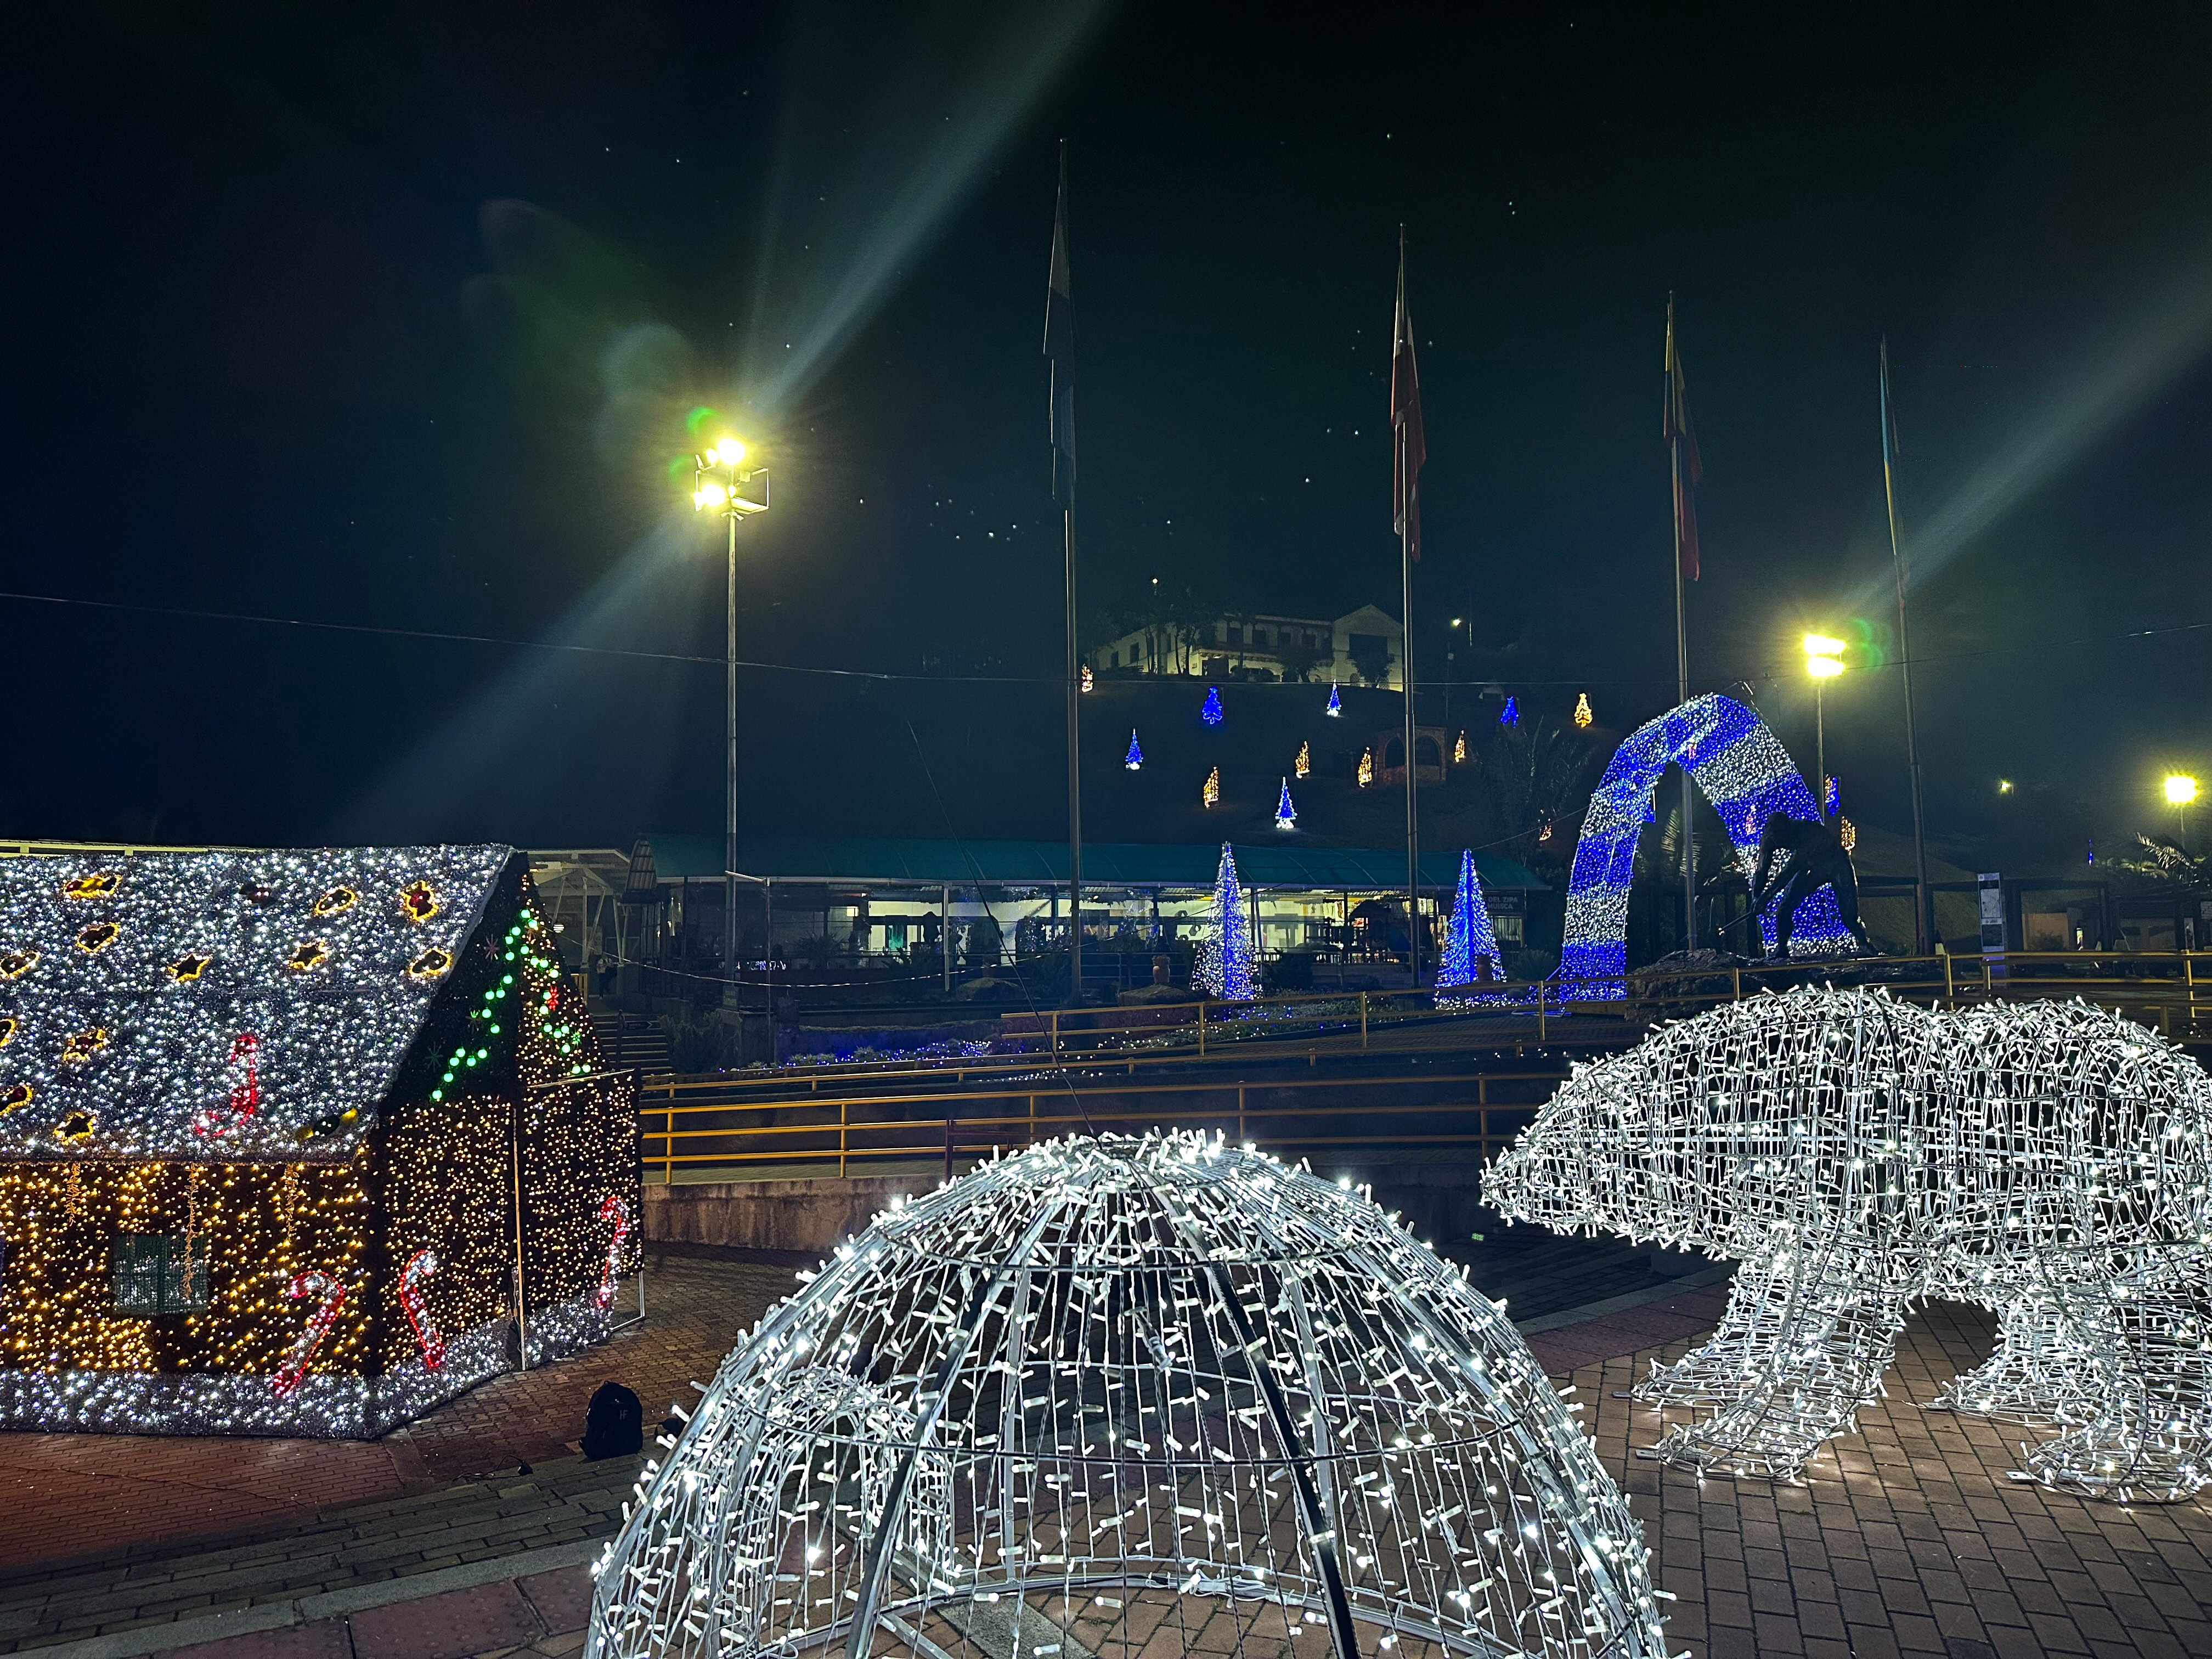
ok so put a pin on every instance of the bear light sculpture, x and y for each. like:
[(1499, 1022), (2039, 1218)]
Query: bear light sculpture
[(1853, 1154), (1130, 1393)]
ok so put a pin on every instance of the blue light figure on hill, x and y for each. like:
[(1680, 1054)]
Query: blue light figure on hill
[(1135, 757), (1211, 712), (1286, 816), (1469, 937), (1223, 967), (1510, 715), (1335, 709)]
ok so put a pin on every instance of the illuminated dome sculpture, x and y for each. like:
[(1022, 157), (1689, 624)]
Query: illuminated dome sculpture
[(1123, 1389), (2050, 1161)]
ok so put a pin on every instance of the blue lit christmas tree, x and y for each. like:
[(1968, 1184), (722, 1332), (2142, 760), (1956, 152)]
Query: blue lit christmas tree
[(1211, 712), (1286, 816), (1223, 967), (1467, 936), (1335, 708), (1511, 715), (1135, 757)]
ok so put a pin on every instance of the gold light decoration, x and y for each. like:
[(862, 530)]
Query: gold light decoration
[(1087, 681), (16, 963), (97, 937), (419, 901), (333, 1174), (336, 900), (1583, 715), (1366, 767), (1303, 765), (1459, 750), (1212, 790), (100, 884), (1847, 834)]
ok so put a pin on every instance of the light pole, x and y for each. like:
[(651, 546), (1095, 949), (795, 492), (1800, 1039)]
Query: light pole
[(2180, 790), (726, 485), (1824, 661)]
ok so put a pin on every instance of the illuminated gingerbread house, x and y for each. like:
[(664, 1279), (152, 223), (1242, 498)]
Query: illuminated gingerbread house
[(286, 1138)]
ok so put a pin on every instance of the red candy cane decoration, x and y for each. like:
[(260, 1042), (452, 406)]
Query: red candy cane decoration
[(245, 1067), (311, 1283), (616, 1210), (419, 1267), (246, 1091)]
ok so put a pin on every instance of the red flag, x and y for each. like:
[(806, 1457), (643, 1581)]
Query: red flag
[(1410, 449), (1682, 454)]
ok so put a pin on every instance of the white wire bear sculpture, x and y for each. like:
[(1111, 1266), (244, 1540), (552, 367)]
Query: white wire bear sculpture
[(1155, 1392), (1854, 1154)]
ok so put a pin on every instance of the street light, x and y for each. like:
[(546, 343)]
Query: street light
[(1824, 661), (725, 484), (2180, 790)]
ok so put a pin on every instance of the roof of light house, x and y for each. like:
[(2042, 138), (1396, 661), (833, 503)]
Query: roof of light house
[(139, 990), (1160, 1367)]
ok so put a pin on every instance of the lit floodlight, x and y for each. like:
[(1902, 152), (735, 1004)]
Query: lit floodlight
[(1080, 1389), (1855, 1154), (709, 495), (729, 451), (2181, 789)]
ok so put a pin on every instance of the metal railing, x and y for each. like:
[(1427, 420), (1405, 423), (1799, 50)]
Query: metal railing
[(871, 1112), (836, 1135), (2172, 990)]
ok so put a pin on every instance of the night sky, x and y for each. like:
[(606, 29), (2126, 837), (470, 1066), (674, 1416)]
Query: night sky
[(391, 318)]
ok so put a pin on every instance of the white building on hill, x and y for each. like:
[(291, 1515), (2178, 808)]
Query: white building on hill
[(1362, 648)]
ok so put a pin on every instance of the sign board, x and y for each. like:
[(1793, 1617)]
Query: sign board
[(1991, 886)]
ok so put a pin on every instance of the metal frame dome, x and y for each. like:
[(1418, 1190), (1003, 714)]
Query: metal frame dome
[(1123, 1390)]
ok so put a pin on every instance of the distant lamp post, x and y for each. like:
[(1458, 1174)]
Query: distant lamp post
[(724, 484), (1823, 661), (2180, 790)]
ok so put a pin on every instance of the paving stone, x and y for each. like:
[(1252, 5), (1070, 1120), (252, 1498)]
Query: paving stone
[(563, 1598), (452, 1625), (325, 1638)]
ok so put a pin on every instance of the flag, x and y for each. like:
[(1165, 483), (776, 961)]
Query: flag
[(1059, 346), (1410, 447), (1682, 453)]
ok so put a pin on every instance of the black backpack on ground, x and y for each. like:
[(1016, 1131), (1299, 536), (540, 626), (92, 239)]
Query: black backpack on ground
[(614, 1423)]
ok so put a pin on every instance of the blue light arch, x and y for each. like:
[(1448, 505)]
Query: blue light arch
[(1744, 771)]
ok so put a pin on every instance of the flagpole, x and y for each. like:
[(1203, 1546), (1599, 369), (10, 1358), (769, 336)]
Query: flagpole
[(1922, 923), (1074, 706), (1406, 670), (1682, 664)]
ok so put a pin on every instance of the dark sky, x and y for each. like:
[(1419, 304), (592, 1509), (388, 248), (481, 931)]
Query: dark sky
[(390, 318)]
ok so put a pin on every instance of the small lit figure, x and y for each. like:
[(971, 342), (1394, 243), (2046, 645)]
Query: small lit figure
[(1212, 791)]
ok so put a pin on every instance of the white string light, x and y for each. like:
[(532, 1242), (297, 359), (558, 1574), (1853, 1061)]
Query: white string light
[(1854, 1153), (1120, 1372)]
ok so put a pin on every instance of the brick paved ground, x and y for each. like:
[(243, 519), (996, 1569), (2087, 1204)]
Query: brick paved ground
[(1907, 1538)]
